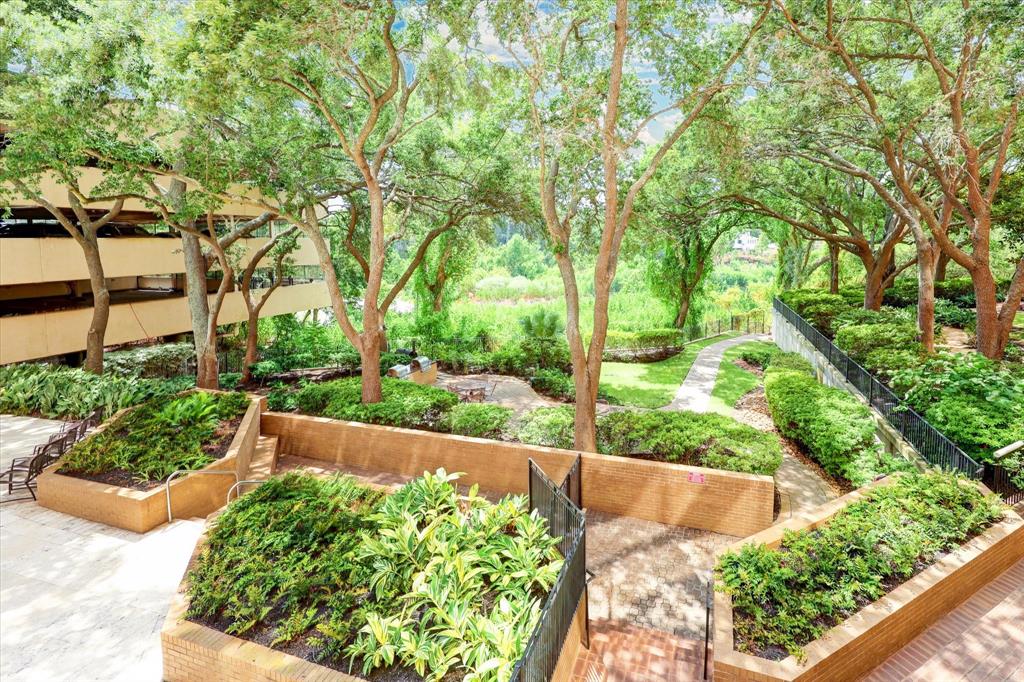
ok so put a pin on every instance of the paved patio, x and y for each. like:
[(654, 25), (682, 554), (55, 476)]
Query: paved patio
[(76, 596)]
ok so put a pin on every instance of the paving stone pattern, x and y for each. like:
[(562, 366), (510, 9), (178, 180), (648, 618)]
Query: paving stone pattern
[(650, 574), (622, 652), (980, 641)]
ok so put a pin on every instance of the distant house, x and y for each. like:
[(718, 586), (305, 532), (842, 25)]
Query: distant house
[(746, 241)]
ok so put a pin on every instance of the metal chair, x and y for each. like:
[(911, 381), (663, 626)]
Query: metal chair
[(25, 470)]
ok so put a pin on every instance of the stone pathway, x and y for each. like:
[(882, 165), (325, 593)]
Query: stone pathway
[(506, 391), (622, 652), (980, 641), (80, 600), (695, 392)]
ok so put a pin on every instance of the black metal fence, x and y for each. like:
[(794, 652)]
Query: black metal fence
[(926, 439), (567, 521)]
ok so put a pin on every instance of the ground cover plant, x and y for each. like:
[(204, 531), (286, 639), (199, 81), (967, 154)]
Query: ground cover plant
[(476, 419), (652, 384), (403, 403), (152, 441), (59, 392), (835, 428), (787, 597), (420, 580)]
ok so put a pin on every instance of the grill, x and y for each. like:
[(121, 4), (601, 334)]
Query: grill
[(421, 363), (400, 371)]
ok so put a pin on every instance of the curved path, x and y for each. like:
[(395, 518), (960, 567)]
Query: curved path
[(695, 392)]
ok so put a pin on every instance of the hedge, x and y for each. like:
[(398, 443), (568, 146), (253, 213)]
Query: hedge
[(837, 430), (403, 403)]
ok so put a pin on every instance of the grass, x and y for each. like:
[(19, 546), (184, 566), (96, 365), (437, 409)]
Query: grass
[(652, 384), (732, 382)]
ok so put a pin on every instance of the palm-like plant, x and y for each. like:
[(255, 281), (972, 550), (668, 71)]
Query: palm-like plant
[(542, 324)]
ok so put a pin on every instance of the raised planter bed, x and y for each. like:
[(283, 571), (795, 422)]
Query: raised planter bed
[(711, 499), (854, 647), (193, 651), (195, 494)]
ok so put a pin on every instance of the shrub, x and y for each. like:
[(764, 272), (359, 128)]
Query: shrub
[(165, 360), (554, 383), (159, 437), (548, 426), (647, 338), (837, 429), (759, 353), (976, 402), (55, 391), (265, 368), (710, 440), (403, 403), (788, 597), (353, 579), (860, 340), (478, 420), (949, 314)]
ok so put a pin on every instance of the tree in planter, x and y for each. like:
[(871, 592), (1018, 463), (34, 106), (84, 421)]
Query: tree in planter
[(587, 109), (60, 103), (278, 248), (364, 78), (935, 92)]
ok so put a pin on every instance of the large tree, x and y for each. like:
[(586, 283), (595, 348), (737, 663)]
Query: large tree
[(934, 89), (63, 81), (356, 83), (585, 106)]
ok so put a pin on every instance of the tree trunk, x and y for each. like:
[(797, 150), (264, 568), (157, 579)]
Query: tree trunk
[(926, 296), (369, 355), (585, 425), (100, 307), (207, 375), (684, 308), (251, 345), (987, 327), (833, 262), (940, 267), (439, 300), (876, 275)]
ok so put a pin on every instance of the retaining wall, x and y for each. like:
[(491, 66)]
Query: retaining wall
[(788, 338), (711, 499)]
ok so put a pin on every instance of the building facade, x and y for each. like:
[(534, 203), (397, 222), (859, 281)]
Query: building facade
[(46, 299)]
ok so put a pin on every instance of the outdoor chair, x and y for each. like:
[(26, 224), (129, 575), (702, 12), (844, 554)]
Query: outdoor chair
[(24, 470)]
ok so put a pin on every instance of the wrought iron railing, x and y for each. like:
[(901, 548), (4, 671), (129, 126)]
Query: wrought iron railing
[(929, 442), (568, 522)]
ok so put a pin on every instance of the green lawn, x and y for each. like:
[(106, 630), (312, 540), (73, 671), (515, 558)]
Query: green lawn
[(732, 382), (652, 384)]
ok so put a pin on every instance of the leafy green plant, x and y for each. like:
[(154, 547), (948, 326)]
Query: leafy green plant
[(710, 440), (403, 403), (787, 597), (542, 324), (55, 391), (837, 429), (159, 437), (422, 578), (548, 426), (479, 420), (164, 360), (860, 340)]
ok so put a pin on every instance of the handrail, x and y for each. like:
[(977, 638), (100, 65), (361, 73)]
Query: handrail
[(238, 483), (167, 484)]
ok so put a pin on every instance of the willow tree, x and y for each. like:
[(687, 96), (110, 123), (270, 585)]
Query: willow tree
[(586, 106), (62, 85), (934, 89)]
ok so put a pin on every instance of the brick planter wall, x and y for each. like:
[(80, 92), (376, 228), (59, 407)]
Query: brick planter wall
[(196, 653), (140, 511), (710, 499), (855, 646)]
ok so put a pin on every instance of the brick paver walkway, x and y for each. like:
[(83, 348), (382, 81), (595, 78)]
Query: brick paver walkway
[(981, 641), (622, 652), (650, 574)]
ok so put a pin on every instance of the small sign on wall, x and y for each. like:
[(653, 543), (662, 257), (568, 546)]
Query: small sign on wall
[(694, 477)]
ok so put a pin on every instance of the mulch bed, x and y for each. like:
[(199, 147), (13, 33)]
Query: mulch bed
[(215, 448)]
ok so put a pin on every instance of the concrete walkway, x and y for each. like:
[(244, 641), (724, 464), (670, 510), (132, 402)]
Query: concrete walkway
[(80, 600), (695, 392)]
